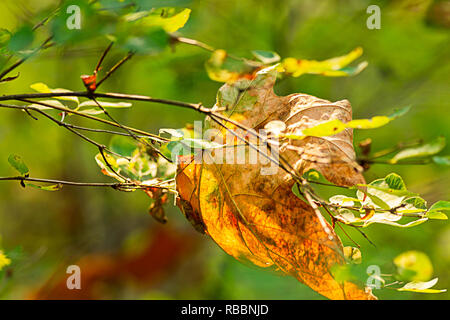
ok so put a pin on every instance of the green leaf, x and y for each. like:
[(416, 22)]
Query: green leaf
[(377, 201), (441, 205), (421, 287), (21, 39), (17, 163), (53, 187), (43, 88), (400, 112), (266, 57), (435, 211), (394, 181), (352, 255), (170, 24), (421, 151), (54, 103), (391, 190), (442, 160), (105, 104), (436, 215), (413, 266), (334, 67)]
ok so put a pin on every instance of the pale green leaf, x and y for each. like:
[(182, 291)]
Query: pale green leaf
[(421, 287), (267, 57), (43, 88), (421, 151)]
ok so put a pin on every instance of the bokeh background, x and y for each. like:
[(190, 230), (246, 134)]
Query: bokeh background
[(123, 253)]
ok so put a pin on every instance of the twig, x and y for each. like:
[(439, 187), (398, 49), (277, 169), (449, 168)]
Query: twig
[(115, 67), (22, 60), (114, 185)]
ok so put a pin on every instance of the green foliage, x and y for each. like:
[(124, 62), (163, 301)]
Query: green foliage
[(17, 163), (21, 39), (424, 150)]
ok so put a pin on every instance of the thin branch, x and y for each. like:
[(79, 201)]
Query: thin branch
[(22, 60), (71, 111), (63, 124), (115, 67), (114, 185)]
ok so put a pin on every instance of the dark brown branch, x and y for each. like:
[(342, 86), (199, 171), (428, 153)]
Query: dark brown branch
[(114, 185)]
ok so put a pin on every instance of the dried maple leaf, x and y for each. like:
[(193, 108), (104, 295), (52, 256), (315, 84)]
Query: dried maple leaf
[(256, 217)]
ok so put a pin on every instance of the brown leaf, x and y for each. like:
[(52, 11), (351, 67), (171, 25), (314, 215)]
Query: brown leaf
[(256, 217)]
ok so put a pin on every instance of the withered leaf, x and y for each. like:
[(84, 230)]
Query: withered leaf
[(256, 217)]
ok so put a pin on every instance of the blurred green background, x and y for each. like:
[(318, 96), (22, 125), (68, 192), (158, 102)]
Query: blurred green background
[(123, 252)]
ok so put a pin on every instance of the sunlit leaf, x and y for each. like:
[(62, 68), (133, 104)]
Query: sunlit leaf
[(441, 205), (335, 67), (325, 129), (421, 287), (266, 57), (43, 88), (91, 111), (169, 24), (353, 255), (421, 151), (105, 104), (4, 260), (54, 103), (372, 123), (435, 211), (335, 126), (436, 215)]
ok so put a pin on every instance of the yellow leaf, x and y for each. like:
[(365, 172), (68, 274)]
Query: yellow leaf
[(170, 24), (43, 88), (4, 260), (214, 68), (334, 67)]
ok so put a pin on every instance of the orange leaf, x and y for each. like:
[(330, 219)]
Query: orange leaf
[(256, 217)]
